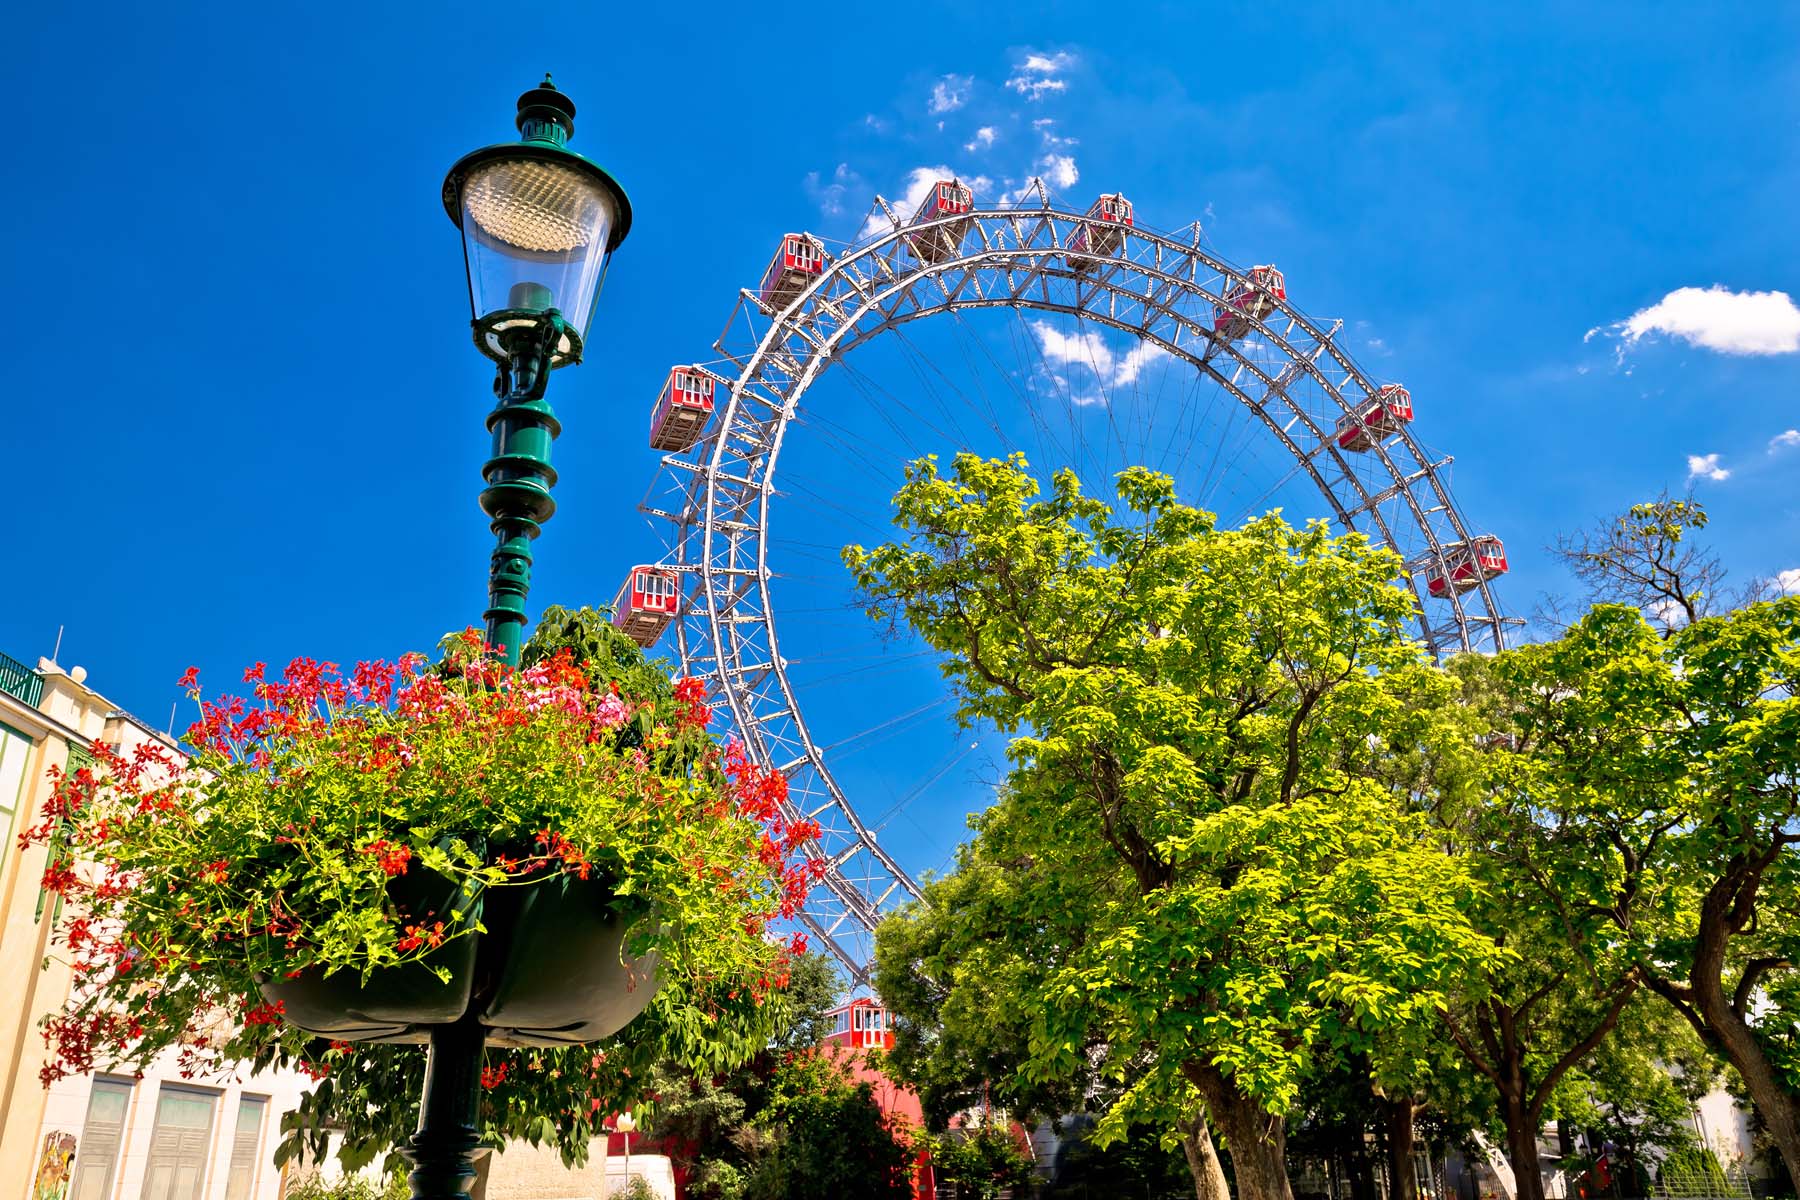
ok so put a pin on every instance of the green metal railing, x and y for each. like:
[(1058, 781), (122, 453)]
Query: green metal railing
[(20, 680)]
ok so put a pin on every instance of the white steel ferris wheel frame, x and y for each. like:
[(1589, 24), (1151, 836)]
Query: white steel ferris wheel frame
[(1156, 287)]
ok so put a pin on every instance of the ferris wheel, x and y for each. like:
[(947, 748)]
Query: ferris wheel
[(1219, 369)]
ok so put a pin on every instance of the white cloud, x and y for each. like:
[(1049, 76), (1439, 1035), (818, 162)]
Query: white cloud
[(1784, 440), (1089, 349), (1136, 359), (1706, 466), (1046, 127), (1715, 318), (949, 94), (1034, 89), (984, 137), (830, 196), (1059, 170), (1788, 581), (1039, 73), (1669, 613)]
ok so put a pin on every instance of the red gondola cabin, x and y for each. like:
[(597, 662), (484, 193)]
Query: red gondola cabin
[(1384, 413), (646, 604), (1101, 234), (683, 409), (1254, 296), (946, 199), (1466, 564), (800, 260), (861, 1024)]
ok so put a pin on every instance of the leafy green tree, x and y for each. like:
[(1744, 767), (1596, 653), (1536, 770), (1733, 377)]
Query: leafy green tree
[(1638, 1089), (1683, 746), (980, 1162), (1236, 903), (828, 1138), (708, 1123), (1550, 894), (962, 976)]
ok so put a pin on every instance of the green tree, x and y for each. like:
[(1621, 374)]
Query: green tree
[(828, 1138), (1684, 746), (707, 1123), (1551, 894), (1238, 905), (979, 1161), (963, 976), (1638, 1089)]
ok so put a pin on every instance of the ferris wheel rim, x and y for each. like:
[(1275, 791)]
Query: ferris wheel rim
[(797, 325)]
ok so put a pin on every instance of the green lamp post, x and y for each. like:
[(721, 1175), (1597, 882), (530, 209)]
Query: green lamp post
[(538, 223)]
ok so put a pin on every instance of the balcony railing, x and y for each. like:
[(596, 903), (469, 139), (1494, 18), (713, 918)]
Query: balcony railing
[(19, 680)]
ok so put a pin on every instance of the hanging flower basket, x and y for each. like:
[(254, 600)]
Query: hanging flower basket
[(353, 859)]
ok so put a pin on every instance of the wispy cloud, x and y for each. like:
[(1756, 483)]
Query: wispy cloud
[(1089, 349), (829, 196), (1046, 128), (1059, 170), (1706, 466), (1714, 318), (1135, 360), (1788, 581), (984, 137), (1787, 439), (948, 94), (1041, 74)]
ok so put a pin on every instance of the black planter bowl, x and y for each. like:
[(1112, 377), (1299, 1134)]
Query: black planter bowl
[(396, 1001), (551, 970), (566, 978)]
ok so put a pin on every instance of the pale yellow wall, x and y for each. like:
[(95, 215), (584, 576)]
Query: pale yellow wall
[(29, 992)]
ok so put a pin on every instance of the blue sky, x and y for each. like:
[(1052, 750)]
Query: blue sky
[(246, 423)]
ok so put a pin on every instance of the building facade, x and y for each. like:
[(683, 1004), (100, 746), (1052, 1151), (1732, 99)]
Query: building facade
[(99, 1137)]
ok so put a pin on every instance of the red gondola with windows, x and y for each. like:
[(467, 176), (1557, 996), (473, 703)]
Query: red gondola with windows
[(646, 604), (862, 1024), (1254, 296), (683, 409), (946, 199), (1466, 564), (800, 260), (1386, 411), (1102, 232)]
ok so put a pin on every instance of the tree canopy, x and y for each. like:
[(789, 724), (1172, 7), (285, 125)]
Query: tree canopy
[(1189, 820)]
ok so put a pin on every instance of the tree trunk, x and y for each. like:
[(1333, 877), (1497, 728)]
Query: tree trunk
[(1521, 1146), (1255, 1139), (1398, 1112), (1724, 911), (1356, 1161), (1203, 1159)]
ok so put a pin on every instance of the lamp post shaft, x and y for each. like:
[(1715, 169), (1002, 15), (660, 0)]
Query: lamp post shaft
[(519, 478), (449, 1114)]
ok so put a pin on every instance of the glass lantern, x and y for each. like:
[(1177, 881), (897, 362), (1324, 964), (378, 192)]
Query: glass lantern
[(538, 223)]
